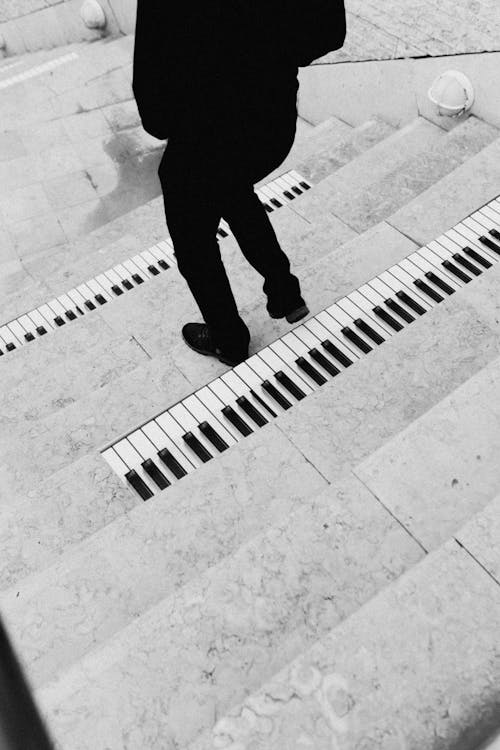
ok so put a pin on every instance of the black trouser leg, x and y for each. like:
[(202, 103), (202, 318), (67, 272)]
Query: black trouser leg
[(193, 212)]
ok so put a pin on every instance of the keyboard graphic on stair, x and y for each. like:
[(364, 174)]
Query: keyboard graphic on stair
[(127, 276), (194, 431)]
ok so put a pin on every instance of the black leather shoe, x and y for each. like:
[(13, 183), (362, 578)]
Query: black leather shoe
[(197, 337), (292, 315)]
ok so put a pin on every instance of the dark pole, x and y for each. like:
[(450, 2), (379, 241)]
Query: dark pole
[(21, 727)]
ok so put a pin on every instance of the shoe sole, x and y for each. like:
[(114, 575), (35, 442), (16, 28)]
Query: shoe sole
[(294, 316)]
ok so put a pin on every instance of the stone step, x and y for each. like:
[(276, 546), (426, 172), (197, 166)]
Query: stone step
[(383, 179), (442, 468), (102, 416), (334, 429), (386, 676), (242, 619)]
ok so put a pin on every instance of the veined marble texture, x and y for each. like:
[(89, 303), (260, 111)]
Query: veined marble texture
[(417, 667), (444, 467), (162, 680), (56, 616), (339, 426), (481, 535)]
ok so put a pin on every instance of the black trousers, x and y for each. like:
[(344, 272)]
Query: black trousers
[(208, 175)]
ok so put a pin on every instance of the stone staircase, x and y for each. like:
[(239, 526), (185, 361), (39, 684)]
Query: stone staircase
[(313, 585)]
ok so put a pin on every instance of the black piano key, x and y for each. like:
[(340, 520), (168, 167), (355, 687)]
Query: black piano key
[(1, 353), (89, 305), (336, 352), (127, 284), (138, 279), (29, 336), (197, 447), (10, 346), (324, 362), (438, 281), (263, 403), (393, 305), (268, 208), (137, 483), (489, 243), (495, 233), (412, 304), (214, 437), (428, 290), (172, 463), (79, 310), (70, 315), (296, 190), (287, 383), (156, 475), (355, 339), (366, 329), (304, 185), (251, 411), (99, 298), (163, 264), (276, 202), (289, 195), (274, 393), (153, 270), (313, 373), (474, 270), (41, 330), (452, 268), (384, 315), (222, 233), (117, 290), (59, 321), (237, 421), (477, 257)]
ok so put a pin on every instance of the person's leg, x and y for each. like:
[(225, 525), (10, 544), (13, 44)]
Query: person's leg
[(193, 212), (256, 237)]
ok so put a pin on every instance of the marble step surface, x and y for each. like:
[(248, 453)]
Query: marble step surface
[(443, 467), (70, 504), (76, 261), (225, 632), (334, 429), (388, 676), (392, 173)]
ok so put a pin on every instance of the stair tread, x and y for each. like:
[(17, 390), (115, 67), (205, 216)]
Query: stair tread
[(445, 600), (310, 570)]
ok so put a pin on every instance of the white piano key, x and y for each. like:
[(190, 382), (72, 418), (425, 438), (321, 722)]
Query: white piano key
[(115, 462), (474, 226), (346, 320), (465, 236), (366, 313), (487, 218), (17, 331), (160, 255), (105, 282), (284, 187), (78, 300), (161, 440), (86, 294), (270, 196), (228, 397), (190, 424), (201, 413), (265, 372), (291, 182), (67, 303), (430, 263), (286, 348), (300, 178), (112, 275), (175, 431), (436, 262), (225, 226), (143, 266), (279, 356), (97, 288), (133, 460), (150, 259), (168, 249), (39, 320), (254, 381), (372, 296), (132, 268), (335, 334), (264, 198), (28, 325), (210, 399), (57, 308)]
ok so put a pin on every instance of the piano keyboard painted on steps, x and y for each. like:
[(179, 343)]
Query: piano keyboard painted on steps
[(127, 275), (197, 429)]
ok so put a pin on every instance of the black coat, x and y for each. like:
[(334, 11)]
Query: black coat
[(200, 63)]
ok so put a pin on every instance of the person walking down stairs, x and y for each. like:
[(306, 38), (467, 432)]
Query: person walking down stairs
[(219, 81)]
